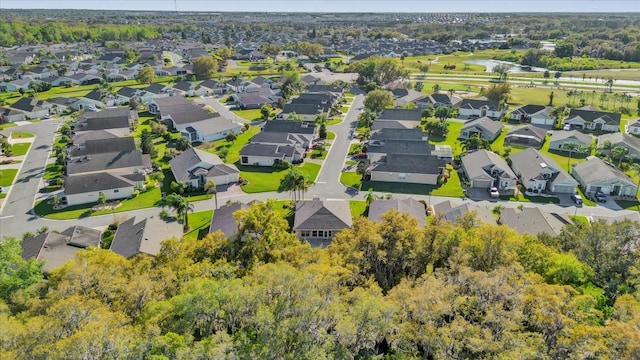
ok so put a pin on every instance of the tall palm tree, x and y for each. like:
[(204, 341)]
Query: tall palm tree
[(606, 147), (570, 147), (210, 188), (619, 153), (635, 168)]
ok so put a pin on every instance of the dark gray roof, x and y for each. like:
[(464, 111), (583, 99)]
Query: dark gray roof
[(288, 126), (106, 119), (31, 246), (95, 95), (183, 85), (94, 182), (26, 104), (155, 88), (412, 207), (223, 219), (316, 215), (302, 109), (399, 134), (183, 111), (478, 104), (82, 236), (127, 92), (92, 135), (529, 109), (108, 162), (400, 147), (55, 249), (128, 237), (440, 98), (210, 84), (401, 114), (590, 115), (277, 151), (99, 146), (412, 164), (534, 221), (191, 157)]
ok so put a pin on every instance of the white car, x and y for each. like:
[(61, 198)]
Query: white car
[(493, 192), (566, 127)]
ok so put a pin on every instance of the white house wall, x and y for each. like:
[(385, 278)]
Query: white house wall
[(426, 179), (92, 197)]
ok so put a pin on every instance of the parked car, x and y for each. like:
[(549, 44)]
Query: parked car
[(360, 156), (577, 199), (600, 196), (566, 127), (493, 192)]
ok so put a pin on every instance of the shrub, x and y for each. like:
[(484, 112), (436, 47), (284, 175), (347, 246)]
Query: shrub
[(281, 165)]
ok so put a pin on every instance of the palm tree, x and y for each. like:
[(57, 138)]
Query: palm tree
[(210, 188), (606, 147), (181, 206), (635, 168), (619, 153), (571, 147), (436, 88), (370, 197), (293, 181), (609, 84), (475, 142)]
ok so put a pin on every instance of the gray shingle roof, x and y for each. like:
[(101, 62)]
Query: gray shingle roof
[(562, 134), (486, 123), (108, 162), (411, 164), (288, 126), (478, 104), (591, 115), (452, 212), (529, 109), (223, 219), (400, 147), (94, 182), (596, 170), (400, 114), (181, 164), (317, 214), (481, 163), (529, 130), (530, 163), (534, 221), (126, 241), (410, 206), (399, 134), (100, 146)]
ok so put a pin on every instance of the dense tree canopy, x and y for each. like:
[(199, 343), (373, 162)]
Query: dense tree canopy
[(388, 288), (378, 100), (378, 70)]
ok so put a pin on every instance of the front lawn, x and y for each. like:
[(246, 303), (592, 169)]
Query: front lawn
[(629, 204), (252, 114), (147, 199), (451, 188), (334, 120), (52, 171), (7, 176), (21, 135), (6, 126), (199, 224), (233, 148), (263, 178), (20, 149), (358, 208)]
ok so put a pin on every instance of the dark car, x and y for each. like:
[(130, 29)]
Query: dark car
[(577, 199), (600, 196)]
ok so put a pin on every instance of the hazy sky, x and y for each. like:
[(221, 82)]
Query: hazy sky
[(337, 5)]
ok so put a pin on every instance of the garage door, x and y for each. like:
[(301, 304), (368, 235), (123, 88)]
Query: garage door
[(563, 189), (481, 183)]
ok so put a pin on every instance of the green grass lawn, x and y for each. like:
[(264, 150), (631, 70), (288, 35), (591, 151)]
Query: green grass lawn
[(20, 149), (562, 158), (629, 205), (579, 219), (21, 135), (263, 178), (335, 120), (234, 148), (450, 188), (319, 155), (252, 114), (6, 126), (358, 208), (147, 199), (452, 137), (199, 224), (7, 176), (331, 135), (3, 195), (497, 146), (52, 171)]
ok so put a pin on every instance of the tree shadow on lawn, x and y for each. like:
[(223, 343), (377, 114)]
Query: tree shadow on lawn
[(395, 187)]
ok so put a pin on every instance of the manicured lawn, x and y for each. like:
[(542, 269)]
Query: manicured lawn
[(21, 135), (166, 187), (234, 148), (331, 135), (629, 205), (263, 178), (497, 146), (3, 195), (20, 149), (335, 120), (7, 176), (451, 139), (450, 188), (6, 126), (562, 157), (52, 171), (252, 114), (358, 208), (199, 224), (579, 219), (145, 200), (319, 155)]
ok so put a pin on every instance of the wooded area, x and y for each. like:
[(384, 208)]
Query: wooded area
[(381, 289)]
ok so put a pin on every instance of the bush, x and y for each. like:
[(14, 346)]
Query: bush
[(135, 194), (281, 165)]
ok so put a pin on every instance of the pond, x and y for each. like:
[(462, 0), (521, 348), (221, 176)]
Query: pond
[(515, 68)]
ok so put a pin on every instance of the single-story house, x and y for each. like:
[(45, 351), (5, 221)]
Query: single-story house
[(560, 138), (453, 213), (318, 221), (539, 173), (485, 128), (485, 169), (596, 175), (633, 127), (629, 142), (196, 167), (410, 206), (586, 119), (437, 100), (30, 107), (475, 108), (86, 189), (534, 114), (534, 221), (224, 221), (408, 169), (144, 237), (528, 135), (8, 115), (211, 87), (56, 248), (267, 155)]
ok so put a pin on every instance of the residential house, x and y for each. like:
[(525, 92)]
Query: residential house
[(410, 97), (560, 138), (397, 141), (224, 221), (290, 127), (527, 135), (196, 167), (154, 91), (413, 208), (255, 99), (485, 169), (318, 221), (475, 108), (596, 175), (144, 237), (86, 189), (8, 115), (211, 87), (629, 142), (184, 88), (56, 248), (39, 73), (633, 127), (398, 118), (484, 127), (93, 100), (30, 107), (534, 221), (59, 80), (268, 155), (534, 114), (539, 173), (305, 112), (60, 105), (437, 100), (192, 120), (15, 85), (454, 213), (587, 119), (408, 169), (125, 94), (117, 121)]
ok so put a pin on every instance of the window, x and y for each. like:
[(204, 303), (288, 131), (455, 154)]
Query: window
[(305, 233), (245, 160), (314, 233), (116, 191)]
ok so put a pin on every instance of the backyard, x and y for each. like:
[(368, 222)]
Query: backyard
[(451, 188), (264, 178)]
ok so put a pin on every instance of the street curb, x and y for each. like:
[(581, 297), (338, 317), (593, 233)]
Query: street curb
[(24, 160)]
